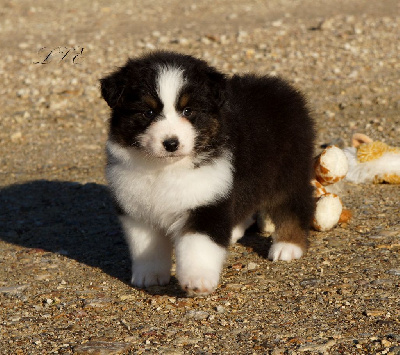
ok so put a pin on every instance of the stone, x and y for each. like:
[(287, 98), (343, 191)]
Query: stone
[(102, 348), (318, 348), (13, 289), (375, 313), (198, 315), (309, 282), (220, 309), (16, 137), (252, 266)]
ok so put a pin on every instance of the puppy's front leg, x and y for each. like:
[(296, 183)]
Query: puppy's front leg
[(150, 252), (199, 261)]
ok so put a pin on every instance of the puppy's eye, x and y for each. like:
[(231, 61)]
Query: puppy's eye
[(187, 112), (149, 114)]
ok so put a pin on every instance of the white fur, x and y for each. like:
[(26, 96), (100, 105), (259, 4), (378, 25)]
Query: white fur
[(151, 252), (265, 223), (240, 229), (388, 163), (170, 81), (171, 124), (284, 251), (199, 262), (157, 195), (161, 192), (152, 139)]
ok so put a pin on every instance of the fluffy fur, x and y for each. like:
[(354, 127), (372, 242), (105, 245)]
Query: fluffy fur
[(193, 155)]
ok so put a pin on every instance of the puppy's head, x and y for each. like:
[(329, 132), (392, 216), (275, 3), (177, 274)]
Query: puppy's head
[(166, 105)]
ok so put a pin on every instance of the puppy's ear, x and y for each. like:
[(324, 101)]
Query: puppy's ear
[(112, 88), (218, 86)]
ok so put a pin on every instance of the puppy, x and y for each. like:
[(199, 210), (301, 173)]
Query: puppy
[(193, 155)]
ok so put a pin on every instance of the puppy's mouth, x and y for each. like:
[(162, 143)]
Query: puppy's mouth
[(171, 157)]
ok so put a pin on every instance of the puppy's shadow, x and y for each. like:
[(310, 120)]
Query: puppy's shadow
[(68, 218), (78, 221), (257, 242)]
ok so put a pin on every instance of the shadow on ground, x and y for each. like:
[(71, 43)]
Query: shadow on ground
[(68, 218), (256, 242), (78, 221)]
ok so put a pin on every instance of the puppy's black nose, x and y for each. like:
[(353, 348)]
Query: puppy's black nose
[(171, 144)]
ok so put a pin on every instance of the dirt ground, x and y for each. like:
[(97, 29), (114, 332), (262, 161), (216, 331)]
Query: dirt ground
[(64, 266)]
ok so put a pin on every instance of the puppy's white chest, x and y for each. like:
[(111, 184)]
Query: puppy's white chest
[(162, 194)]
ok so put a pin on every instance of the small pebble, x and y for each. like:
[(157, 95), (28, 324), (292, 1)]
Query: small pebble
[(198, 315), (13, 289), (252, 266), (220, 309), (101, 347)]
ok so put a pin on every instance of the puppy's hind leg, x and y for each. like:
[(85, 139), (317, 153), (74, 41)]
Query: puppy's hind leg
[(239, 230), (292, 222), (289, 242)]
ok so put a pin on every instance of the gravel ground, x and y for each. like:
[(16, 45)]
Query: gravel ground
[(64, 267)]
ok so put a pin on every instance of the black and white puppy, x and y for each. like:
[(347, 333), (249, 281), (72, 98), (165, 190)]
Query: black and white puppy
[(193, 154)]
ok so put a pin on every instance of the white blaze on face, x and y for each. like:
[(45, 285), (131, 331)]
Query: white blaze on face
[(170, 124), (169, 83)]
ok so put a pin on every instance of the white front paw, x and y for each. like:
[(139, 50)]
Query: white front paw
[(199, 282), (199, 262), (285, 251), (149, 274)]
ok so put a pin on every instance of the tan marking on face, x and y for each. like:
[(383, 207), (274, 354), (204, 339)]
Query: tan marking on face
[(150, 101), (184, 100), (184, 120)]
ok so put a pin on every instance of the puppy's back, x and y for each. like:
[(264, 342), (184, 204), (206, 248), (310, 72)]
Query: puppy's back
[(272, 136)]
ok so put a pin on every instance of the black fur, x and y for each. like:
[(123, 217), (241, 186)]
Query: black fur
[(271, 135), (262, 120), (125, 89)]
